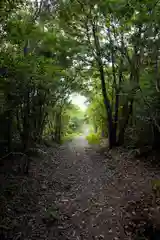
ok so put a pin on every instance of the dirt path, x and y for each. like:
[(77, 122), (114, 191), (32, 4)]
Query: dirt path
[(85, 174), (76, 193)]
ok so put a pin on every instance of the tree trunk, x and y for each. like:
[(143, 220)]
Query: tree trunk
[(125, 123), (111, 135), (58, 127), (117, 91), (156, 141), (9, 130), (9, 119), (95, 128), (26, 124)]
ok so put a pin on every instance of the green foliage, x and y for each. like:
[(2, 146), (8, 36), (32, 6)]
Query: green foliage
[(73, 120), (120, 46), (36, 78), (96, 114), (70, 136), (156, 187), (93, 138), (105, 50)]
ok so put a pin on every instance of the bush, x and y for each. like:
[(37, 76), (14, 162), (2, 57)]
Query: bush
[(93, 138), (70, 136)]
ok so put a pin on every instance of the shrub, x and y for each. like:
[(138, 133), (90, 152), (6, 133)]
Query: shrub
[(93, 138)]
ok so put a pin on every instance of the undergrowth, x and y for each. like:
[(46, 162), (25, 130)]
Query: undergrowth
[(93, 138), (70, 136)]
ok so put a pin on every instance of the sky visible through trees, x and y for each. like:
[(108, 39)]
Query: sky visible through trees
[(102, 56), (80, 101), (69, 66)]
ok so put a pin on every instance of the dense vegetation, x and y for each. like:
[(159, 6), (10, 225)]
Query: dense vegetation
[(37, 77), (107, 51), (122, 40)]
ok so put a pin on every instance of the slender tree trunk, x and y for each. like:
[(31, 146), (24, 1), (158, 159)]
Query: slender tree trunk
[(42, 126), (111, 136), (26, 124), (116, 117), (9, 118), (125, 123), (95, 128), (117, 102), (18, 123), (10, 134), (156, 141), (58, 126)]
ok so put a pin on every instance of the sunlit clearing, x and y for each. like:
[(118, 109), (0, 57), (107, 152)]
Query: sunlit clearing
[(79, 100)]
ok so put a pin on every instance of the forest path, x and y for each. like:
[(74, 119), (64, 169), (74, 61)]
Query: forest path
[(74, 193), (78, 188), (85, 174)]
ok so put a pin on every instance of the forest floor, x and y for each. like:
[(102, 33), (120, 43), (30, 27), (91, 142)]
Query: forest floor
[(75, 192)]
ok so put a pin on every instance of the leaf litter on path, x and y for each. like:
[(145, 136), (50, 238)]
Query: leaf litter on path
[(80, 194)]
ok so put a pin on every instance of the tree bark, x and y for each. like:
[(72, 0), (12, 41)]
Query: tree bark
[(125, 123), (26, 123), (111, 136), (58, 126)]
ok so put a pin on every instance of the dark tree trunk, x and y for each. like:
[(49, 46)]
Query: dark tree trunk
[(125, 123), (9, 130), (26, 124), (111, 135), (9, 120), (58, 127), (42, 126), (117, 88), (156, 140), (116, 117)]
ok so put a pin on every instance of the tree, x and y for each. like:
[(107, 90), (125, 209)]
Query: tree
[(36, 76), (108, 51), (112, 36)]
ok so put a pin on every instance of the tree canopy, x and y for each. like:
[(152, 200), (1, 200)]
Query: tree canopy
[(107, 51)]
